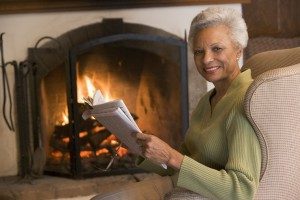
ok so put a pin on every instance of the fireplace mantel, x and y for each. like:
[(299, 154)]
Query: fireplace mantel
[(29, 6)]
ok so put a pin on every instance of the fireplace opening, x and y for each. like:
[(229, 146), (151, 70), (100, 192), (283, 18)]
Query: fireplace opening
[(144, 66)]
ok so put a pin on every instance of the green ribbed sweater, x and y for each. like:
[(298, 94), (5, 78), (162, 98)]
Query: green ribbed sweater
[(222, 153)]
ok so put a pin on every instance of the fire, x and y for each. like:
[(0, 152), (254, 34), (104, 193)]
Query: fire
[(107, 96), (90, 87), (86, 154), (65, 117), (102, 151), (112, 140), (85, 90), (97, 129), (57, 154), (122, 151), (83, 134), (66, 140)]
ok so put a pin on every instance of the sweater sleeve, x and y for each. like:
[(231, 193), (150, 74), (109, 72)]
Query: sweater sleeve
[(240, 177)]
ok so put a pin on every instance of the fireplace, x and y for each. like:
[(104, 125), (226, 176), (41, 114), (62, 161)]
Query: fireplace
[(144, 66)]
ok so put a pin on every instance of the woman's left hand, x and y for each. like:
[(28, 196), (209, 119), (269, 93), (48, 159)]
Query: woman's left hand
[(159, 151)]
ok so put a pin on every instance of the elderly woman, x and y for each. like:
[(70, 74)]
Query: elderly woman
[(220, 156)]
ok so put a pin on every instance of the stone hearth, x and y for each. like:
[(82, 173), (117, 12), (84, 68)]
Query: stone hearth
[(49, 187)]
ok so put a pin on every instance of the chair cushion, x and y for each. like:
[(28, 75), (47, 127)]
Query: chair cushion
[(262, 44), (268, 60)]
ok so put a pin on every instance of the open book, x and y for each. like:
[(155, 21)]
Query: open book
[(115, 117)]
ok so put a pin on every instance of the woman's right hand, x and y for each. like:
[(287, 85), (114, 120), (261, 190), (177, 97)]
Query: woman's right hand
[(159, 151)]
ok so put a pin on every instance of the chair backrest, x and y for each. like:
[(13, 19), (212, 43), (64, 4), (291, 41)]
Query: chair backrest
[(272, 105)]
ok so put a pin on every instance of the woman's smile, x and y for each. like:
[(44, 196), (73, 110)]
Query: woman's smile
[(212, 69)]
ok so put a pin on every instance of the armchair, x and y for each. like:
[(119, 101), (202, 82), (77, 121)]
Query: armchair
[(272, 105)]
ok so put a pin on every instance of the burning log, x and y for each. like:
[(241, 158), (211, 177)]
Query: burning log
[(97, 145)]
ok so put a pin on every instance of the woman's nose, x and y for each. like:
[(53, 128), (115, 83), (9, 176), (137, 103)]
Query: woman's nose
[(208, 57)]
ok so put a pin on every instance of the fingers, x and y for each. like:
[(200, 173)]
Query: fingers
[(141, 136), (142, 140)]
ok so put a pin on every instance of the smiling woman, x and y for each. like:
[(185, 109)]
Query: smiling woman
[(25, 6)]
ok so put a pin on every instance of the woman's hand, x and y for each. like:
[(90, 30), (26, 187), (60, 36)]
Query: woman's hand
[(159, 151)]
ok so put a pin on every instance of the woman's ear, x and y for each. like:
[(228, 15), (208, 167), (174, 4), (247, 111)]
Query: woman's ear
[(239, 53)]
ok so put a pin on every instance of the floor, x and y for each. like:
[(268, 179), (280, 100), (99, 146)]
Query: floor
[(78, 198), (49, 187)]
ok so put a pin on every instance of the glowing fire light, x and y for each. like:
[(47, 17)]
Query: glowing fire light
[(112, 140), (85, 90), (102, 151), (90, 87), (83, 134), (64, 118), (122, 151), (66, 140), (86, 154), (57, 154), (107, 96)]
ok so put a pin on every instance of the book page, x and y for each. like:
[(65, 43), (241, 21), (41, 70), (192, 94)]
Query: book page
[(115, 120), (114, 104)]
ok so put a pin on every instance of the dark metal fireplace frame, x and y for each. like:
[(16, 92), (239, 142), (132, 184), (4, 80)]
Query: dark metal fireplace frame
[(31, 72)]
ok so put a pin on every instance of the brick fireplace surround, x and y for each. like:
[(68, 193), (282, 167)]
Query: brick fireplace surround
[(22, 31)]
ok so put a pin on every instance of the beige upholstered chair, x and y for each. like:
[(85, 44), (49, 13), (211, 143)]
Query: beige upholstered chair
[(272, 104)]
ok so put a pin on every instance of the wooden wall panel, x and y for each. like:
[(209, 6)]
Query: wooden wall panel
[(29, 6), (276, 18)]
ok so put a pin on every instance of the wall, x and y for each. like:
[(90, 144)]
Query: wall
[(273, 18), (24, 30)]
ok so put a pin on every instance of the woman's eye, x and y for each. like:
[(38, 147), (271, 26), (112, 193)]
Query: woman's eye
[(217, 49), (198, 52)]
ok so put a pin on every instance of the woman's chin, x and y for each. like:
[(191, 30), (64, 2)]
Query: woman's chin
[(212, 78)]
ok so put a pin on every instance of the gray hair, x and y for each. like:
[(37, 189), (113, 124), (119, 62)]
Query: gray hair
[(226, 16)]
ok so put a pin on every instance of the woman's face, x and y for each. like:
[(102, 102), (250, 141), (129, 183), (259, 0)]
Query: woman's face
[(215, 55)]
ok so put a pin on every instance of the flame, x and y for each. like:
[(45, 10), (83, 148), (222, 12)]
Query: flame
[(101, 151), (114, 142), (57, 154), (97, 129), (66, 140), (86, 89), (112, 139), (65, 117), (122, 151), (86, 154), (83, 134), (107, 96), (90, 87)]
